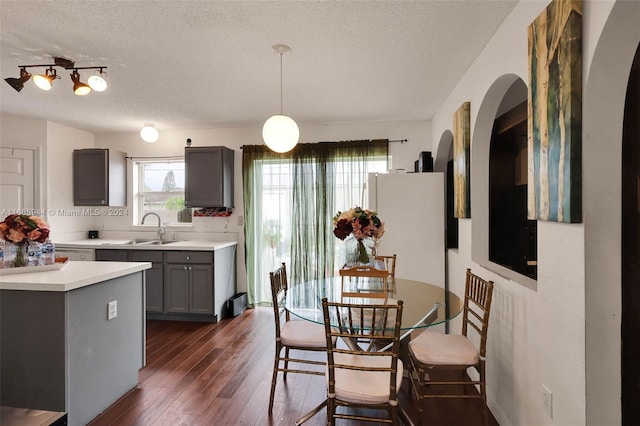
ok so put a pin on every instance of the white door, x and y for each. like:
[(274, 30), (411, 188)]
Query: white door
[(16, 179)]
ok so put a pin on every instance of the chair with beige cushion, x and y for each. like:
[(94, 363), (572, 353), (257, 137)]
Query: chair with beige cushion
[(296, 335), (432, 353), (355, 376)]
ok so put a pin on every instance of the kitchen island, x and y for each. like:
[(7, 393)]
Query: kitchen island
[(61, 348)]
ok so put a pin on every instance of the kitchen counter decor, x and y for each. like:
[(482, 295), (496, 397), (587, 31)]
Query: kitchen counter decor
[(364, 225), (20, 230)]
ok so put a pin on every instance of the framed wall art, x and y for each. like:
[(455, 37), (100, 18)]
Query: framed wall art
[(462, 161), (555, 113)]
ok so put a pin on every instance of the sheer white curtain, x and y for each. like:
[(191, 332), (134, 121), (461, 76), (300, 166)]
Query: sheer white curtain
[(290, 200)]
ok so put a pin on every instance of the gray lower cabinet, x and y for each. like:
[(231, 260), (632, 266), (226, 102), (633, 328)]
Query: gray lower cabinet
[(183, 284), (154, 283), (154, 277), (189, 282)]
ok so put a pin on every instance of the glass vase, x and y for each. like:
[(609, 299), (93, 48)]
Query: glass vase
[(22, 258), (363, 256)]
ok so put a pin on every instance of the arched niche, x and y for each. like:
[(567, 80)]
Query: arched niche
[(497, 99)]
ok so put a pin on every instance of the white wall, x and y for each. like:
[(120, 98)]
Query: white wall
[(538, 331), (61, 141)]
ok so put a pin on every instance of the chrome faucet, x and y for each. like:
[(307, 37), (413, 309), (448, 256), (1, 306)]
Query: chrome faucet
[(161, 230)]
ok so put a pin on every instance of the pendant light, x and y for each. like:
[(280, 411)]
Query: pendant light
[(280, 132)]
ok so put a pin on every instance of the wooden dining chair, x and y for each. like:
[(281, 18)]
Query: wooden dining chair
[(357, 377), (431, 353), (296, 335), (364, 281), (390, 263)]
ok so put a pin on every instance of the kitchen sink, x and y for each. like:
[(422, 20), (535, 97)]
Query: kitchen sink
[(139, 241)]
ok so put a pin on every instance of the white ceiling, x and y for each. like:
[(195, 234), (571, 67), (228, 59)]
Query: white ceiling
[(195, 64)]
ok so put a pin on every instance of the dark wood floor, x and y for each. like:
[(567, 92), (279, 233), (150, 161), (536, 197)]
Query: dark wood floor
[(220, 374)]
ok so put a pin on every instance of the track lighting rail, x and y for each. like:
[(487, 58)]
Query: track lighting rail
[(45, 81)]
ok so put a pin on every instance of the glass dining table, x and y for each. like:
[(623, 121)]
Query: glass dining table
[(424, 305)]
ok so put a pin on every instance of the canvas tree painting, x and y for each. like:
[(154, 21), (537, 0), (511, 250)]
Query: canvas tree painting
[(461, 161), (555, 113)]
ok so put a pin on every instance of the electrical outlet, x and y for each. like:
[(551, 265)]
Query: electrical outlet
[(112, 310), (240, 220), (547, 401)]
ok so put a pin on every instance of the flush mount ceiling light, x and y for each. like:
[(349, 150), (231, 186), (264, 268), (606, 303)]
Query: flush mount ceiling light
[(149, 133), (280, 132), (45, 81)]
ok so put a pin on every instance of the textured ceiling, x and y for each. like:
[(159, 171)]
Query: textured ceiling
[(194, 64)]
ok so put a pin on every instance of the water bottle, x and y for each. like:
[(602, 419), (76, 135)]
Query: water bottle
[(48, 253), (35, 253)]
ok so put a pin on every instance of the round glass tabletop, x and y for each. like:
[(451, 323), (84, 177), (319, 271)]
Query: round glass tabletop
[(425, 304)]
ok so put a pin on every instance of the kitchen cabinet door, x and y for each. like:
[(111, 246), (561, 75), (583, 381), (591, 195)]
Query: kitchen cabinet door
[(154, 277), (201, 286), (112, 255), (208, 177), (176, 287), (99, 177)]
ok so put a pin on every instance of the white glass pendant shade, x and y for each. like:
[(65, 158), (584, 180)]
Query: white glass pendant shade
[(149, 133), (97, 82), (42, 81), (280, 133)]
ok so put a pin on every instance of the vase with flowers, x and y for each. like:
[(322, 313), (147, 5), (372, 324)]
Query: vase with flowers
[(363, 225), (22, 229)]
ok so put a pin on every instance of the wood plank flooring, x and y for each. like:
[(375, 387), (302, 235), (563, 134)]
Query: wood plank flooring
[(220, 374)]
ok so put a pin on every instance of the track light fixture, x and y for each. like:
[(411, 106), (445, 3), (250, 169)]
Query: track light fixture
[(45, 81), (18, 83)]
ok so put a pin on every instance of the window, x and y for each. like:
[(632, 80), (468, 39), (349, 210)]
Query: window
[(161, 190)]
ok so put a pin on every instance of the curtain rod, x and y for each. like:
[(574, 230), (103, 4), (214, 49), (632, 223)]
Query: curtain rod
[(395, 140), (155, 158)]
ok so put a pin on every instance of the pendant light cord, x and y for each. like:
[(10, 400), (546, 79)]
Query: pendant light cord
[(281, 84)]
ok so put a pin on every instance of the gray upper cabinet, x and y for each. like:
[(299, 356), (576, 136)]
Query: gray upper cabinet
[(99, 177), (208, 176)]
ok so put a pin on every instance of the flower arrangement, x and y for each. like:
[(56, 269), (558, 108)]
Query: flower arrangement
[(21, 229), (362, 224)]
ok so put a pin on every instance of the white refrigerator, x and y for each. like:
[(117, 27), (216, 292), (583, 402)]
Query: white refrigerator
[(412, 207)]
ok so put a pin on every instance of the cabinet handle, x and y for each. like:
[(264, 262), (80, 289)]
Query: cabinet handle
[(188, 257), (185, 268), (190, 268)]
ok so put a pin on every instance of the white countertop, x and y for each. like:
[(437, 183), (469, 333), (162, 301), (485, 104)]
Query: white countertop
[(74, 275), (121, 244)]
